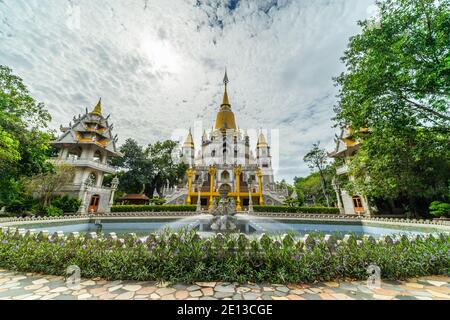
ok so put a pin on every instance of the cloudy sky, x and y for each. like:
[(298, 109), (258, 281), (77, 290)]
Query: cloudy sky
[(158, 64)]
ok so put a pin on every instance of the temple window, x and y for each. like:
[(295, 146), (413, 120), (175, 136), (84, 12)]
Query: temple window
[(97, 156), (74, 153), (225, 176)]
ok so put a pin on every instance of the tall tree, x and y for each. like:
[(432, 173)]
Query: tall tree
[(24, 145), (397, 85), (317, 159), (46, 186), (148, 169), (309, 188), (398, 65)]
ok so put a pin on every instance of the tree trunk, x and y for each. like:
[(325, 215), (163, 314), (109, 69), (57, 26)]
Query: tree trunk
[(322, 182)]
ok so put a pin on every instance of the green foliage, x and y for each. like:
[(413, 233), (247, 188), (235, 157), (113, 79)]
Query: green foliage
[(153, 208), (398, 66), (317, 159), (440, 209), (185, 257), (293, 209), (309, 189), (53, 211), (24, 147), (397, 84), (23, 204), (157, 201), (66, 204), (46, 185), (148, 169)]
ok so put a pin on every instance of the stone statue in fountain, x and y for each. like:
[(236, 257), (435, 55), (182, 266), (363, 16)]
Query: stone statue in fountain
[(223, 212)]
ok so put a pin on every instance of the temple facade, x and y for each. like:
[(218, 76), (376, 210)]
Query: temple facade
[(86, 144), (225, 156)]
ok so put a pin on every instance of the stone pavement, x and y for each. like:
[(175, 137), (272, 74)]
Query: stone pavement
[(29, 286)]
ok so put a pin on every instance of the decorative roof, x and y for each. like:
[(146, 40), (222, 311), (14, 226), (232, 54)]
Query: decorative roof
[(134, 197), (91, 128), (261, 141), (98, 108), (189, 143), (225, 117)]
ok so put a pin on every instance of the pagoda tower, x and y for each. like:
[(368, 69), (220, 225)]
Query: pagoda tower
[(87, 144)]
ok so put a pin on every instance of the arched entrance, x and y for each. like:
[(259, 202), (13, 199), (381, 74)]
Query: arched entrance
[(93, 204), (225, 176)]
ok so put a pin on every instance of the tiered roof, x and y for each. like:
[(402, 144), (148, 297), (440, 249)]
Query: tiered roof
[(90, 128)]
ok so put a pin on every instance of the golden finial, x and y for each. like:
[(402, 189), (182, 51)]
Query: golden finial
[(225, 94), (98, 108)]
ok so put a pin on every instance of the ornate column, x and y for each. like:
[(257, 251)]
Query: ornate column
[(114, 185), (190, 174), (212, 173), (199, 201), (86, 185), (250, 200), (237, 172), (338, 195), (259, 175)]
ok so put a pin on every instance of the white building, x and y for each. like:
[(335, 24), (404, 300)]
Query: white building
[(86, 144)]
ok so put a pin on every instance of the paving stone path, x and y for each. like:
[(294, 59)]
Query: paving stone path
[(30, 286)]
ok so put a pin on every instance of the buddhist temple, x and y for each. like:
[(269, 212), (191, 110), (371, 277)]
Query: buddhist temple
[(225, 156)]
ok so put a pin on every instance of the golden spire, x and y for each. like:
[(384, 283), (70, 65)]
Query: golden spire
[(189, 143), (225, 94), (225, 117), (261, 140), (98, 108)]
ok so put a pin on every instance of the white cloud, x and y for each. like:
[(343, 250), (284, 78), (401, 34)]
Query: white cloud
[(158, 65)]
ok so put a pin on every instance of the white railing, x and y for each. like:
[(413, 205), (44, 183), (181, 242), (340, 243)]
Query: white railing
[(85, 163), (342, 169)]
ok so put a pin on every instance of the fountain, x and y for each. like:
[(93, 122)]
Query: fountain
[(223, 213)]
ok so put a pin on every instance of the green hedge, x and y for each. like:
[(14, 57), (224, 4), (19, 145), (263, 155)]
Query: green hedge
[(155, 208), (288, 209), (185, 257)]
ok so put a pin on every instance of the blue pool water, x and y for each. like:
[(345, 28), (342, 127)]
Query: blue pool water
[(248, 226)]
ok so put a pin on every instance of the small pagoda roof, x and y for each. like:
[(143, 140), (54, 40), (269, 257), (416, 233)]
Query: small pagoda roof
[(134, 197)]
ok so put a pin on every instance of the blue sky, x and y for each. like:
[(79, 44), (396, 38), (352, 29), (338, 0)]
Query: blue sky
[(158, 64)]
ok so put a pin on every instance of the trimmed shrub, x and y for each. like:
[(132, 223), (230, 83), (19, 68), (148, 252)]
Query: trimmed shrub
[(53, 211), (185, 257), (155, 208), (440, 209), (66, 204), (289, 209)]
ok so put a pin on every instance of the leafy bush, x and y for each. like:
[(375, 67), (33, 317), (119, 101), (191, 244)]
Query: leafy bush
[(157, 201), (154, 208), (185, 257), (290, 209), (53, 211), (440, 209), (23, 205), (66, 203)]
